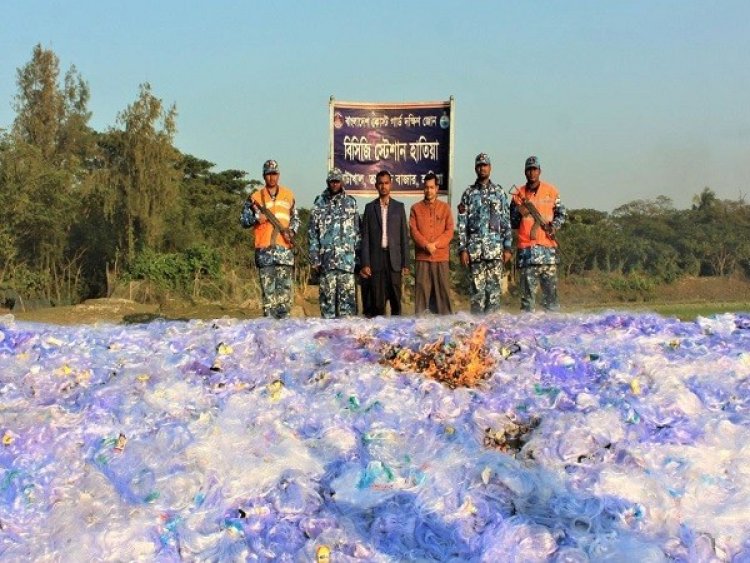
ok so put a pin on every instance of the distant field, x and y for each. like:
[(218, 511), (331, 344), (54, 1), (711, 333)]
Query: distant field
[(683, 311), (685, 299)]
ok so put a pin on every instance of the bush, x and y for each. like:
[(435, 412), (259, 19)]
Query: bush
[(178, 272), (634, 286), (30, 284)]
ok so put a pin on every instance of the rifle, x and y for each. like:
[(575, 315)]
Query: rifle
[(278, 229), (538, 221)]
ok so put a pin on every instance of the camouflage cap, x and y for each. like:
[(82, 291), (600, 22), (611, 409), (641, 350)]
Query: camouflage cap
[(270, 167), (533, 162), (335, 175), (482, 158)]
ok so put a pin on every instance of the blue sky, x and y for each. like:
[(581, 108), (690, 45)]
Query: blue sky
[(620, 100)]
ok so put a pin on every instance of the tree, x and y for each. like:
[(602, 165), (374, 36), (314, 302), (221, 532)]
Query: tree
[(49, 117), (211, 203), (579, 240), (720, 232), (705, 201), (146, 171), (648, 230), (41, 182), (660, 206)]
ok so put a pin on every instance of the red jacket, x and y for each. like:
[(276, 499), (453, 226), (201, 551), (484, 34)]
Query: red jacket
[(431, 222)]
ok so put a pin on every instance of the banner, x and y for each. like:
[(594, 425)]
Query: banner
[(406, 139)]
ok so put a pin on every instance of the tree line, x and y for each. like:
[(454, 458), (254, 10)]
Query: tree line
[(84, 210)]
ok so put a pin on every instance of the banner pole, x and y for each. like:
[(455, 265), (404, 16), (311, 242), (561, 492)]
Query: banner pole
[(331, 101), (450, 152)]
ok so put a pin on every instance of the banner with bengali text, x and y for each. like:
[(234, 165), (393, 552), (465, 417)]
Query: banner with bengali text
[(407, 139)]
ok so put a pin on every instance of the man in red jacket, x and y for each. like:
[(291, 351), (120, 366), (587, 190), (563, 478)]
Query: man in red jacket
[(431, 226)]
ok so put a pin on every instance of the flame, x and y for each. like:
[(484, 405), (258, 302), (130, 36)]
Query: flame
[(461, 362)]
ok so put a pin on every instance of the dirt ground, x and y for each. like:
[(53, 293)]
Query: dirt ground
[(580, 295)]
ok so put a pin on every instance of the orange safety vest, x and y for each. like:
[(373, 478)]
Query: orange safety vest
[(281, 207), (544, 200)]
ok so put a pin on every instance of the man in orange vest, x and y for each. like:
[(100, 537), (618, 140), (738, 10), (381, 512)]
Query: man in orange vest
[(272, 214), (537, 213)]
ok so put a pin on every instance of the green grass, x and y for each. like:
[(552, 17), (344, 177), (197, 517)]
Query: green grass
[(690, 311), (683, 311)]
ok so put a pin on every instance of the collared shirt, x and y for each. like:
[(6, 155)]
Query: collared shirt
[(384, 220)]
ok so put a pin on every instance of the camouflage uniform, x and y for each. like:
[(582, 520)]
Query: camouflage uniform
[(484, 232), (537, 264), (275, 267), (334, 238)]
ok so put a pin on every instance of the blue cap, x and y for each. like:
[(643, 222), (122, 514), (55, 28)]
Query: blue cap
[(482, 158), (533, 162), (335, 175), (270, 167)]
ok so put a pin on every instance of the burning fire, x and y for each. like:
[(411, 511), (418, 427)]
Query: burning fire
[(457, 362)]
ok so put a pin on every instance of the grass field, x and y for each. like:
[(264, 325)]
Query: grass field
[(686, 299), (683, 311)]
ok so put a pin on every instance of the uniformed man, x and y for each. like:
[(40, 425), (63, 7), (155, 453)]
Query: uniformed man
[(334, 241), (537, 256), (272, 214), (485, 237)]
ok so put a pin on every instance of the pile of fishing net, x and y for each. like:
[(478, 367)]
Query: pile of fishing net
[(608, 437)]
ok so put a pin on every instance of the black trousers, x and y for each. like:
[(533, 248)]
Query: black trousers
[(384, 286)]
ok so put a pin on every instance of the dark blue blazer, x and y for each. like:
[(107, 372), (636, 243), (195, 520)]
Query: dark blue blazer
[(372, 231)]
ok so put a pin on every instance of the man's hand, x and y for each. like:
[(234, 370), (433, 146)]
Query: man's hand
[(256, 209), (404, 271), (365, 272), (465, 258), (507, 255), (288, 235), (431, 248)]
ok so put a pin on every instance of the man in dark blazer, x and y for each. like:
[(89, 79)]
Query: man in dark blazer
[(385, 255)]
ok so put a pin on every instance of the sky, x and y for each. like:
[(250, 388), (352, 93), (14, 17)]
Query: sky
[(619, 100)]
